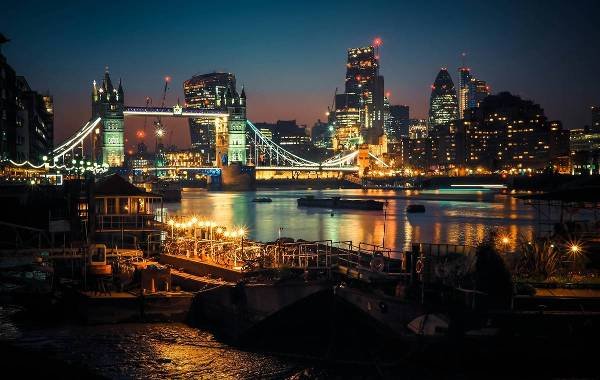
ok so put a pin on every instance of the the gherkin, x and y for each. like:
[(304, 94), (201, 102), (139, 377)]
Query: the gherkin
[(443, 103)]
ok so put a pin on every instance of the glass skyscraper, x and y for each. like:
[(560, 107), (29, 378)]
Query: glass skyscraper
[(363, 79), (443, 104), (206, 91), (471, 91)]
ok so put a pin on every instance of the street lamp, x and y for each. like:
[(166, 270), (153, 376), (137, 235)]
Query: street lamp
[(172, 224)]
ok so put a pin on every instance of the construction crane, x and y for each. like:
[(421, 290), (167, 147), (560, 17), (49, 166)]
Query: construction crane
[(159, 131), (158, 123)]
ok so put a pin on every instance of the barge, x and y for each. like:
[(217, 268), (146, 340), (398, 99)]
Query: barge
[(340, 203)]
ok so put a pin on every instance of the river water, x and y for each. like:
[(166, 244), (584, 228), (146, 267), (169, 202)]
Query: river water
[(452, 216)]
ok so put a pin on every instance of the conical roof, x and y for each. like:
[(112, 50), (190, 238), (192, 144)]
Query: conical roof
[(443, 84)]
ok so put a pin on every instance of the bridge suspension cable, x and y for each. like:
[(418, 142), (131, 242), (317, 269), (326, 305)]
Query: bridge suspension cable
[(73, 141), (268, 146)]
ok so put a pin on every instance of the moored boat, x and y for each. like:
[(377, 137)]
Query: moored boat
[(415, 208), (262, 200), (340, 203)]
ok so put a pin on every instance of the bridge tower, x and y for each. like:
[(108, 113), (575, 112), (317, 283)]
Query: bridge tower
[(236, 127), (107, 103)]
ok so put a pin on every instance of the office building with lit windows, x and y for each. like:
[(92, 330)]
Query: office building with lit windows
[(398, 122), (511, 134), (471, 91), (206, 91), (443, 103), (363, 79), (347, 133)]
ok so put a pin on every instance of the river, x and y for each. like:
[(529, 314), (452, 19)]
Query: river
[(452, 216)]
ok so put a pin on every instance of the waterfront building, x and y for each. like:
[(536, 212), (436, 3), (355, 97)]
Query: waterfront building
[(8, 107), (584, 140), (124, 215), (207, 91), (35, 123), (417, 155), (443, 103), (508, 133), (363, 79), (398, 122), (448, 146), (108, 103), (26, 117)]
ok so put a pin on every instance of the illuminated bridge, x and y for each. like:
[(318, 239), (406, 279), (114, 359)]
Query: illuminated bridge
[(263, 152), (175, 111)]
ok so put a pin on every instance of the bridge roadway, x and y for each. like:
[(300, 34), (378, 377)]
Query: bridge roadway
[(175, 111), (207, 169)]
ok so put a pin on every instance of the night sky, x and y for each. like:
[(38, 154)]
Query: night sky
[(291, 55)]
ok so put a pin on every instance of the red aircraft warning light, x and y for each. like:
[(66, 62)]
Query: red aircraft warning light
[(377, 41)]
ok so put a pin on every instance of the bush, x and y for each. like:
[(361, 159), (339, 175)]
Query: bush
[(538, 259)]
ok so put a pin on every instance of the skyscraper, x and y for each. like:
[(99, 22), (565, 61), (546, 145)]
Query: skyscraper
[(464, 80), (107, 103), (347, 121), (399, 120), (471, 91), (478, 90), (206, 91), (363, 79), (443, 104)]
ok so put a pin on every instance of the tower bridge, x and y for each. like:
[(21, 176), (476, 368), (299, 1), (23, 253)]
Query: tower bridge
[(238, 141)]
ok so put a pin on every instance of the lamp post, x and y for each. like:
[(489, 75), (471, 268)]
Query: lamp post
[(172, 224), (194, 222)]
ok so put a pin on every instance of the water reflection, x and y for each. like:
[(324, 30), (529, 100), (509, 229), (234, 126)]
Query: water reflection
[(463, 219)]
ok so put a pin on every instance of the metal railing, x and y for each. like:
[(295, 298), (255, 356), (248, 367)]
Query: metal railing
[(118, 222)]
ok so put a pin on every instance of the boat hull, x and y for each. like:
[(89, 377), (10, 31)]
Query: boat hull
[(389, 314), (236, 310)]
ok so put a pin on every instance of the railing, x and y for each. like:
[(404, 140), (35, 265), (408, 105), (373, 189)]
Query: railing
[(371, 257), (118, 222)]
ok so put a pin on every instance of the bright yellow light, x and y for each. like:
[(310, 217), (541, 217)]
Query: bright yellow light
[(171, 222), (177, 225), (202, 224), (575, 248), (226, 234), (505, 240), (241, 232), (194, 220), (219, 230)]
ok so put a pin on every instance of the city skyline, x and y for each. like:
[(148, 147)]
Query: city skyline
[(282, 85)]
